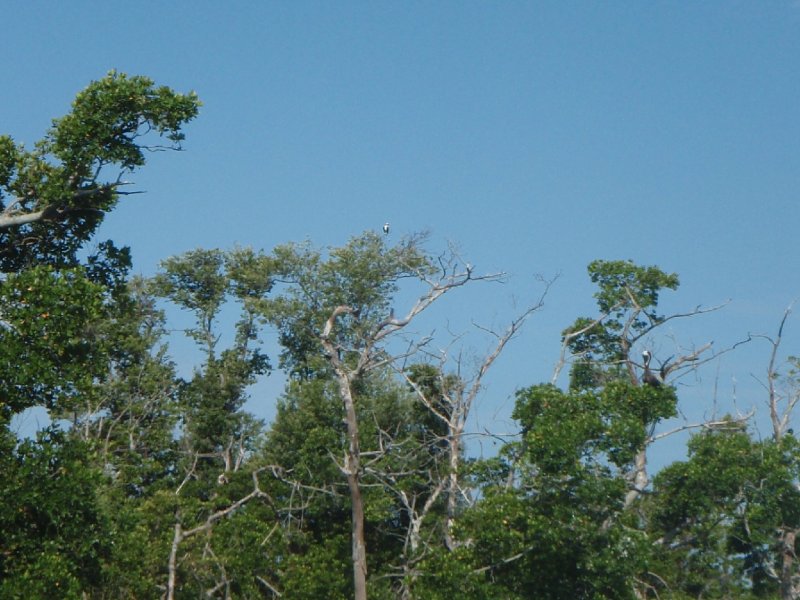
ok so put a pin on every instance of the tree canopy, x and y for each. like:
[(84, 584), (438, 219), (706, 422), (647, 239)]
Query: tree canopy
[(154, 481)]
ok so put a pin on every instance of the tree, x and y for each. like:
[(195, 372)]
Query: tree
[(448, 398), (726, 518), (602, 347), (55, 538), (53, 198), (550, 521), (555, 515), (201, 281), (50, 355), (61, 326), (719, 517), (783, 394), (217, 438), (335, 319)]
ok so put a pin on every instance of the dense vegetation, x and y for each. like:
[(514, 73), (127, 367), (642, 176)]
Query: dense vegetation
[(153, 485)]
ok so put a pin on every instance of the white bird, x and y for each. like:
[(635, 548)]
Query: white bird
[(386, 227)]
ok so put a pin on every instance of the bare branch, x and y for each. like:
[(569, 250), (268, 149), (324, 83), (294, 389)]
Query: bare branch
[(568, 337), (504, 561), (693, 357), (778, 421), (719, 425), (269, 586), (12, 216), (180, 534)]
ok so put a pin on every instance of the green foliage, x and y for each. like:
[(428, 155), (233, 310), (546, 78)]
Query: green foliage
[(627, 299), (54, 537), (548, 542), (139, 397), (51, 352), (109, 117), (195, 282), (308, 438), (449, 575), (202, 281), (64, 184), (719, 511), (307, 429), (363, 275), (435, 388), (79, 340), (623, 283), (605, 428)]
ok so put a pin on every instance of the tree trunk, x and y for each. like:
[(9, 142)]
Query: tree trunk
[(787, 565), (454, 443), (359, 546), (173, 560), (639, 477), (352, 469)]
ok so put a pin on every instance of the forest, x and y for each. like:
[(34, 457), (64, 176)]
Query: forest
[(152, 484)]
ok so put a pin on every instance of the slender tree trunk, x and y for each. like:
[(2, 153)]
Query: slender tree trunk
[(173, 560), (639, 477), (352, 459), (359, 546), (787, 565), (454, 443), (352, 468)]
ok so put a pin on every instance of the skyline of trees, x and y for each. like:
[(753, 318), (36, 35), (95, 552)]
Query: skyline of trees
[(153, 484)]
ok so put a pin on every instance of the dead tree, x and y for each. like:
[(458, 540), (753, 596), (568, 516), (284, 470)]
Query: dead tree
[(781, 402)]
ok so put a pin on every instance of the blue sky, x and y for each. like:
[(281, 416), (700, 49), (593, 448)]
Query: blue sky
[(537, 136)]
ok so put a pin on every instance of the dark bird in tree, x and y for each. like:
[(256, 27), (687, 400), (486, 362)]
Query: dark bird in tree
[(386, 227), (650, 378)]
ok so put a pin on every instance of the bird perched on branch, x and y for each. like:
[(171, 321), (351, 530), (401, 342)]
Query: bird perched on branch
[(649, 377), (386, 227)]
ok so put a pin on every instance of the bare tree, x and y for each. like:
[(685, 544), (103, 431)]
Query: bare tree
[(789, 396), (781, 402), (457, 398)]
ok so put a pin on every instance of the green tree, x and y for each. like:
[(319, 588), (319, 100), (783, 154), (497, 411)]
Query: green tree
[(726, 519), (61, 315), (53, 197), (336, 320), (201, 281), (627, 298), (50, 354), (719, 517), (551, 521), (54, 537), (555, 516), (217, 438), (303, 442), (602, 348)]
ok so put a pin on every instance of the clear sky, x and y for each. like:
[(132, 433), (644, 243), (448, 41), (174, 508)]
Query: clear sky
[(538, 136)]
